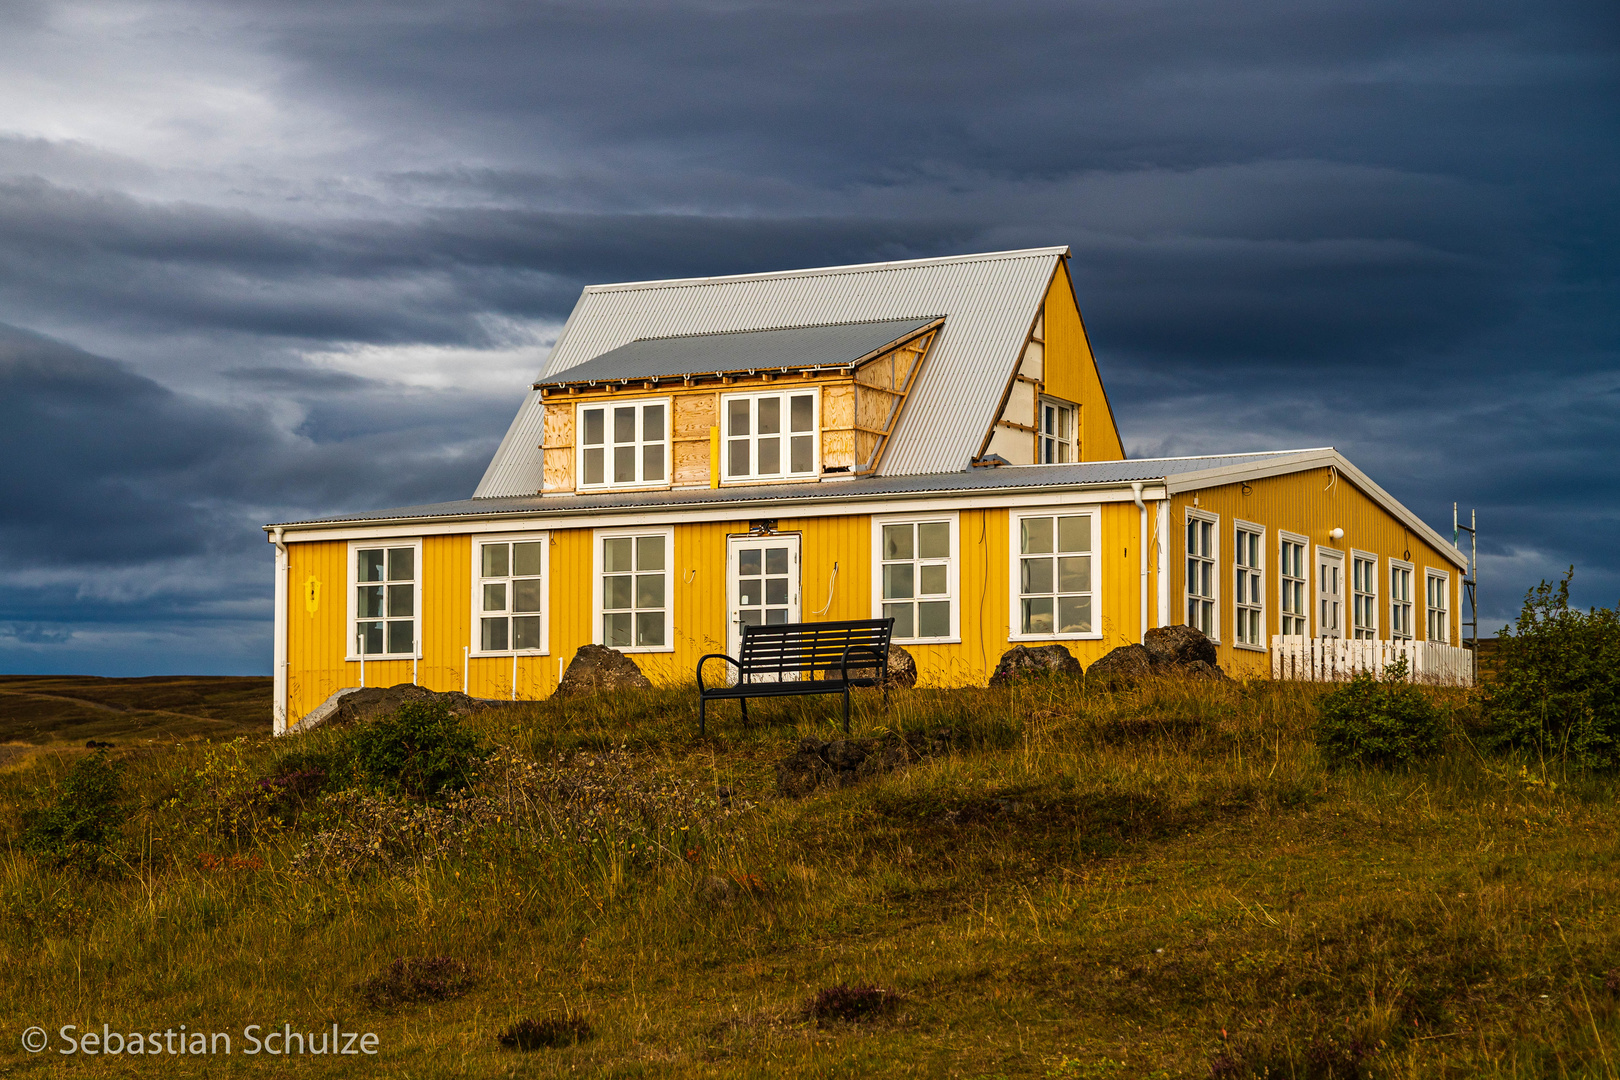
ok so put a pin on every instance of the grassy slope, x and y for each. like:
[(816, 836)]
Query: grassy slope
[(45, 709), (1157, 883)]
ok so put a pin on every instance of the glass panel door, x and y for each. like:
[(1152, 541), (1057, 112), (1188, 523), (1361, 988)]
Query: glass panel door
[(1330, 592), (762, 583)]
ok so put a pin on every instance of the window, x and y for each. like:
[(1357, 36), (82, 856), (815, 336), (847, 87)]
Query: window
[(1363, 596), (633, 599), (1052, 585), (623, 445), (1292, 579), (509, 576), (384, 600), (770, 436), (1201, 573), (1437, 584), (1400, 599), (915, 576), (1249, 589), (1057, 432)]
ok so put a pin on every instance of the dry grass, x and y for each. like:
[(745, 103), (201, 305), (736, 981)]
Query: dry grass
[(1155, 883)]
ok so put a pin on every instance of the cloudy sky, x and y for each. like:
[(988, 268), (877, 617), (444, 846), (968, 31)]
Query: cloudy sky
[(270, 259)]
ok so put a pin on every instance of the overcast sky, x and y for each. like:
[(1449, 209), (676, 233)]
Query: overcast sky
[(264, 260)]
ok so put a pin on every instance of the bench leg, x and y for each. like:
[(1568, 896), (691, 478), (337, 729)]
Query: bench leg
[(701, 703), (846, 711), (744, 703)]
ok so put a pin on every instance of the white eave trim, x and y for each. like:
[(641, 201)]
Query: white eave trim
[(1322, 458)]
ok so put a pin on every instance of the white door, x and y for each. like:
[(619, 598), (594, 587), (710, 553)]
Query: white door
[(762, 583), (1330, 592)]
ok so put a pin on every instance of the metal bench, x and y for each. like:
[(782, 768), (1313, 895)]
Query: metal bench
[(786, 659)]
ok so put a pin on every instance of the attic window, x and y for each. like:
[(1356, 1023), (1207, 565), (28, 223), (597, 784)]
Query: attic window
[(770, 436), (1057, 432), (624, 445)]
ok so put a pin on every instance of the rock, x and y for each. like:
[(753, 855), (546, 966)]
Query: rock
[(1170, 646), (902, 670), (1022, 662), (1198, 669), (354, 703), (596, 669), (1125, 664)]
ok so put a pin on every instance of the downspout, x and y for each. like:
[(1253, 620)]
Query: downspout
[(1141, 552), (278, 701)]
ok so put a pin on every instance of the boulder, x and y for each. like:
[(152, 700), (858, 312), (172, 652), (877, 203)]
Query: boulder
[(597, 669), (1022, 662), (902, 670), (1125, 664), (1171, 646), (354, 703)]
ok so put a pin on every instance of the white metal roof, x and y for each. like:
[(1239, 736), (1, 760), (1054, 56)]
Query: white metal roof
[(988, 302)]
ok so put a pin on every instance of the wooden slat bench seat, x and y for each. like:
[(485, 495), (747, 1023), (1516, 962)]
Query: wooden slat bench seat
[(790, 659)]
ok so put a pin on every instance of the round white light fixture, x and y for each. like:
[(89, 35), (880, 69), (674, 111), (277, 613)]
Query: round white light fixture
[(1336, 534)]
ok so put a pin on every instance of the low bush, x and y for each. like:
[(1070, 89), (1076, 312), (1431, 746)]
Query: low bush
[(1557, 684), (420, 750), (417, 978), (78, 829), (851, 1003), (546, 1033), (1384, 722)]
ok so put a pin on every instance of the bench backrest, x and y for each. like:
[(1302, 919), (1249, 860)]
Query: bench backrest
[(815, 648)]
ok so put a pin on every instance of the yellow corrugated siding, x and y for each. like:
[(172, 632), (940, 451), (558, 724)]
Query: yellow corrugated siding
[(1071, 373), (1310, 504), (315, 637)]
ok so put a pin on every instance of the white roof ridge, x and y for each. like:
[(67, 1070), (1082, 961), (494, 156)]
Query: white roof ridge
[(828, 271)]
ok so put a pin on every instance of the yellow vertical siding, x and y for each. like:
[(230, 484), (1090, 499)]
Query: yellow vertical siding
[(1310, 504), (1071, 373)]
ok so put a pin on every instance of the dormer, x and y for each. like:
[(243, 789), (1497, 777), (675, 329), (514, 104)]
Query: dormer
[(782, 405)]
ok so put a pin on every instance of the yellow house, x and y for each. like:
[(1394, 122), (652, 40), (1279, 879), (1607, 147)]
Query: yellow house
[(927, 440)]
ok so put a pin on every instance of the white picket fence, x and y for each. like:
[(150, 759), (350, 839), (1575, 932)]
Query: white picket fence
[(1330, 659)]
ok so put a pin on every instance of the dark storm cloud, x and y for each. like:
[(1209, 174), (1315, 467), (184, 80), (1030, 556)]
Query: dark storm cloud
[(1386, 226)]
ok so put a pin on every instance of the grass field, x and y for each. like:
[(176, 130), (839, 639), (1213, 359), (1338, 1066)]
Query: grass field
[(46, 709), (1164, 882)]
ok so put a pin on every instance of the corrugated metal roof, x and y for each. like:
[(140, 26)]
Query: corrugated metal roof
[(741, 350), (988, 301), (748, 498)]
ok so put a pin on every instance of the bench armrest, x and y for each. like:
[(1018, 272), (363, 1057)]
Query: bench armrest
[(713, 656), (880, 658)]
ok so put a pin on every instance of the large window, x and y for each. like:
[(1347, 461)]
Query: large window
[(383, 614), (1249, 586), (1400, 599), (1363, 595), (770, 436), (1201, 578), (509, 576), (1058, 431), (1437, 586), (633, 591), (1293, 578), (1052, 587), (623, 445), (916, 576)]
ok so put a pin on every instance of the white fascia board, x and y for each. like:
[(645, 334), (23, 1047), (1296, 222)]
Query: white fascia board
[(1317, 459), (836, 506)]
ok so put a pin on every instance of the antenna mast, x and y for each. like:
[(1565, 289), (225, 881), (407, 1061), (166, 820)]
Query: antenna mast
[(1471, 580)]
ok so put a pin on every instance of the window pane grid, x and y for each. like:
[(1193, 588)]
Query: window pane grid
[(623, 445), (635, 591), (1054, 575), (1400, 602), (1293, 621), (1364, 598), (1201, 576), (1248, 597), (385, 602), (1057, 428), (915, 578), (770, 435), (1438, 626), (510, 595)]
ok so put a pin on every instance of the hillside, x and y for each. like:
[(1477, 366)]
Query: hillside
[(1164, 882), (41, 709)]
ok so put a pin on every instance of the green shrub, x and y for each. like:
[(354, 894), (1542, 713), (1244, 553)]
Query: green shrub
[(79, 828), (419, 750), (1372, 721), (1557, 683)]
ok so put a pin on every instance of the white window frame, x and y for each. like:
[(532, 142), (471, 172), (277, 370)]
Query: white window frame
[(1257, 585), (1372, 598), (1395, 602), (1015, 519), (1306, 582), (953, 572), (1431, 574), (597, 537), (1072, 442), (352, 577), (608, 445), (753, 398), (477, 635), (1214, 558)]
